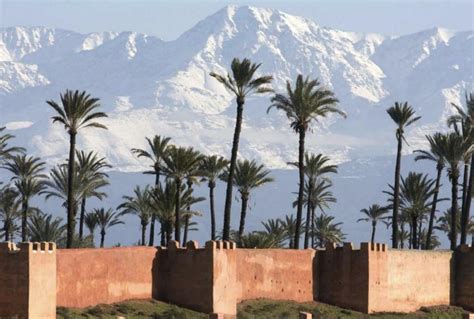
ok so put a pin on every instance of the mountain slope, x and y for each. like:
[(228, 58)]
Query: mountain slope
[(149, 86)]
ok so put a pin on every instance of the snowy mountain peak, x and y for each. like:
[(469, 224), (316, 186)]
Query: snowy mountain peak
[(149, 86)]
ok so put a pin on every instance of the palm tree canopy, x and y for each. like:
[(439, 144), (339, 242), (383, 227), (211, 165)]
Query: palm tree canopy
[(249, 175), (77, 110), (212, 167), (327, 231), (305, 103), (243, 82), (374, 213), (107, 218), (454, 149), (90, 220), (84, 184), (465, 118), (435, 153), (9, 204), (260, 240), (158, 146), (27, 174), (138, 205), (320, 196), (6, 151), (403, 115), (181, 162), (44, 228)]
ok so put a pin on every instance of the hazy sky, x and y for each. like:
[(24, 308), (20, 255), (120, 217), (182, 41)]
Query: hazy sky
[(168, 19)]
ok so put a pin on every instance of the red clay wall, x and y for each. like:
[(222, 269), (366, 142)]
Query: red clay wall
[(344, 277), (464, 281), (185, 276), (410, 279), (283, 274), (27, 280), (87, 277)]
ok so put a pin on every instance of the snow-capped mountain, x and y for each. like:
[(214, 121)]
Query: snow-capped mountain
[(149, 86)]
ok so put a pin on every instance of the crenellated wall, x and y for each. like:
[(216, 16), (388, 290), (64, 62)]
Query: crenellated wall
[(464, 277), (28, 280), (279, 274), (213, 279), (86, 277)]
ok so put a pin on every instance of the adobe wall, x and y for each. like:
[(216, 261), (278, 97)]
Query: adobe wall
[(27, 280), (344, 276), (87, 277), (410, 279), (280, 274), (185, 276), (464, 277)]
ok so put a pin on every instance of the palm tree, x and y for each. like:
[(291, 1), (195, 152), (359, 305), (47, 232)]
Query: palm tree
[(403, 116), (44, 228), (248, 176), (105, 220), (242, 83), (259, 240), (89, 167), (6, 151), (9, 210), (436, 156), (138, 205), (374, 213), (210, 170), (180, 163), (158, 146), (275, 229), (326, 231), (303, 105), (85, 185), (77, 110), (187, 201), (289, 226), (163, 200), (319, 198), (466, 119), (90, 220), (29, 181), (314, 167), (454, 149)]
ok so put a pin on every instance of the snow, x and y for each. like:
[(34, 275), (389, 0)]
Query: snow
[(149, 86)]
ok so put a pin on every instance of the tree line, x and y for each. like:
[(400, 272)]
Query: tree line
[(165, 208)]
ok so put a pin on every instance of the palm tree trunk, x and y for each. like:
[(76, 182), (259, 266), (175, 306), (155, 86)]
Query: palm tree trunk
[(464, 187), (454, 206), (151, 241), (299, 211), (143, 234), (70, 195), (396, 194), (186, 227), (213, 213), (177, 215), (467, 208), (162, 234), (414, 231), (433, 208), (24, 220), (102, 238), (402, 241), (6, 228), (81, 218), (169, 231), (372, 240), (243, 213), (313, 210), (308, 214), (233, 162)]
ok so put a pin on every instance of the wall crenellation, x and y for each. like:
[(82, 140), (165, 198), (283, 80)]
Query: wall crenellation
[(215, 277)]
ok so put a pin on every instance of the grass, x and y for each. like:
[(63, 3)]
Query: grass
[(132, 309), (263, 309), (252, 309)]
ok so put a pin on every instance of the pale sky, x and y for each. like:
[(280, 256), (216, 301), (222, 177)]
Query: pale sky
[(168, 19)]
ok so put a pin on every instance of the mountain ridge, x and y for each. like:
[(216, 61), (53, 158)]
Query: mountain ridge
[(165, 86)]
